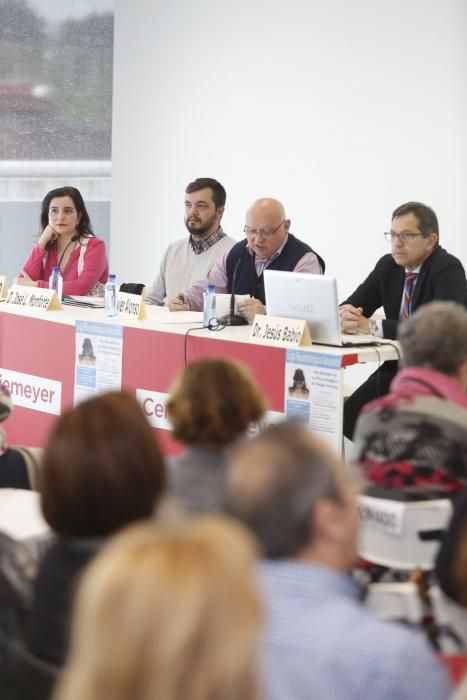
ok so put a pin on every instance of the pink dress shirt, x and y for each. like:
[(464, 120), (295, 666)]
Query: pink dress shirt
[(95, 267)]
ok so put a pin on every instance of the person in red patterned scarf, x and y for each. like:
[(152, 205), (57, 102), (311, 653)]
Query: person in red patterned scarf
[(415, 438)]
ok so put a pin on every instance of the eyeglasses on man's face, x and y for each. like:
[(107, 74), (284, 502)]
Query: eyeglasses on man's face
[(263, 232), (404, 236)]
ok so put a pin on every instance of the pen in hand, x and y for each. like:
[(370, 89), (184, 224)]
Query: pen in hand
[(179, 300), (177, 303)]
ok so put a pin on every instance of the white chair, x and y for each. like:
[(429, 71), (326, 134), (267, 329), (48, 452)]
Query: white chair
[(396, 601), (402, 534), (21, 518)]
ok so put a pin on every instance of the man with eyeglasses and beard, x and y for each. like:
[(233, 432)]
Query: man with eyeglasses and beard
[(268, 244), (190, 258), (416, 271)]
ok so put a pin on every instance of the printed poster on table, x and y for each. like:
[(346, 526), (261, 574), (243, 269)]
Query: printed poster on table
[(314, 392), (98, 359)]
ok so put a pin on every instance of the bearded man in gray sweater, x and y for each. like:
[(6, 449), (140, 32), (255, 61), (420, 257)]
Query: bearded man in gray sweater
[(189, 259)]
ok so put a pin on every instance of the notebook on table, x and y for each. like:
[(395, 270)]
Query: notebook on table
[(312, 298)]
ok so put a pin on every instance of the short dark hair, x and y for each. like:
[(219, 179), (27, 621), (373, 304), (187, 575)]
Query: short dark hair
[(213, 402), (435, 336), (275, 480), (218, 192), (427, 219), (84, 227), (102, 468)]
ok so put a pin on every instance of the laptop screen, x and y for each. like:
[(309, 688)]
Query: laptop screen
[(308, 297)]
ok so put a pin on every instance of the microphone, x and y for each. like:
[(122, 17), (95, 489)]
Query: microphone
[(233, 319)]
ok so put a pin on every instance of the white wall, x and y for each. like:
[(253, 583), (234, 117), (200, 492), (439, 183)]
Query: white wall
[(342, 109)]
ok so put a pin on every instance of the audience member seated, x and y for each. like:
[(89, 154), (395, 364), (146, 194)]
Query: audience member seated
[(18, 569), (451, 569), (320, 641), (67, 241), (169, 614), (19, 466), (451, 562), (187, 260), (415, 438), (268, 244), (102, 470), (211, 405)]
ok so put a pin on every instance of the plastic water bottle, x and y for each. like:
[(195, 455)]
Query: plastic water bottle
[(209, 304), (110, 296), (56, 282)]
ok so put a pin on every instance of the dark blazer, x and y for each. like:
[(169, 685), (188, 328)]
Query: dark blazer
[(441, 277)]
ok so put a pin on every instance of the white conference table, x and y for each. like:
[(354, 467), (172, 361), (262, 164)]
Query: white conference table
[(37, 347)]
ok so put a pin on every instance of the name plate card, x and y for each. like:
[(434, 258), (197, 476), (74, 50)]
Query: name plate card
[(131, 306), (280, 332), (3, 287), (33, 298), (382, 514)]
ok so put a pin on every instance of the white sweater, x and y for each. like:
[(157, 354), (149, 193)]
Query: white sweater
[(181, 267)]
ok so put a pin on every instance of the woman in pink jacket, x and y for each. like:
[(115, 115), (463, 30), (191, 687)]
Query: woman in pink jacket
[(67, 241)]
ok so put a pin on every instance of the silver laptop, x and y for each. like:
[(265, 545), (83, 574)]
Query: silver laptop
[(312, 298)]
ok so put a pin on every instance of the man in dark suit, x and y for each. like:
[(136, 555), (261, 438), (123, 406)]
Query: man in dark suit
[(417, 271)]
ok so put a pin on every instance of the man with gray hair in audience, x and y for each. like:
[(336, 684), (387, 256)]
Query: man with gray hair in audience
[(415, 438), (320, 641)]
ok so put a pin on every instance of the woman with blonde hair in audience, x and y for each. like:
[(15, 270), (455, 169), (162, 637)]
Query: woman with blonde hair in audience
[(102, 469), (172, 615), (212, 404)]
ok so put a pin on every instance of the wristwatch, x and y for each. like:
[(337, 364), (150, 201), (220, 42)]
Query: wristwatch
[(373, 324)]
